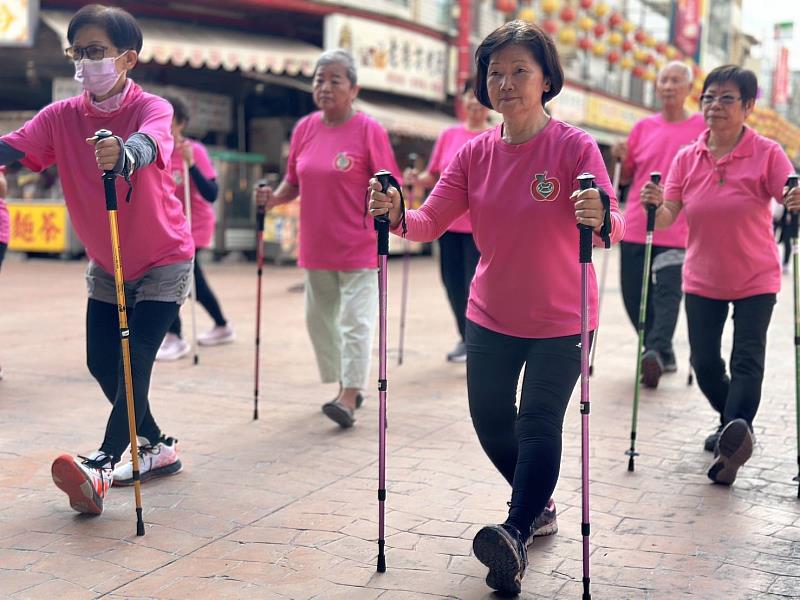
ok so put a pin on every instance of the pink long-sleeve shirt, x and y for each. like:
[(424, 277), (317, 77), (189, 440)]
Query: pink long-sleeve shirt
[(528, 280), (731, 251), (332, 167)]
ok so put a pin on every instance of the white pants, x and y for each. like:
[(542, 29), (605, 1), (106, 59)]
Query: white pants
[(341, 311)]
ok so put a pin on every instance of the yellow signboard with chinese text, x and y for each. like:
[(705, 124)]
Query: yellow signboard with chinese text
[(18, 21), (613, 115), (38, 227)]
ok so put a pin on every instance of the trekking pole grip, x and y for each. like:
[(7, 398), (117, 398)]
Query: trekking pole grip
[(382, 222), (586, 181), (109, 178), (655, 178)]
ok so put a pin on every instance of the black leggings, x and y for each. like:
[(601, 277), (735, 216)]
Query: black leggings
[(737, 396), (205, 297), (663, 298), (3, 247), (524, 446), (459, 257), (148, 323)]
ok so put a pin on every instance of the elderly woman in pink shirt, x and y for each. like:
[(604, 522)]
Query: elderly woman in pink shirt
[(333, 152), (518, 181), (724, 183)]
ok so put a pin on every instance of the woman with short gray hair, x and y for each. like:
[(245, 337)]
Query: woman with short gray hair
[(333, 153)]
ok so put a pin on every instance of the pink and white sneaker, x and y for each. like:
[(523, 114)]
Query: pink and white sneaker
[(172, 348), (155, 460), (221, 334), (84, 479)]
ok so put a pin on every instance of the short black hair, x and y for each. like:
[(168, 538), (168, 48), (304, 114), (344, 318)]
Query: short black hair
[(469, 85), (744, 79), (119, 24), (529, 36), (180, 108)]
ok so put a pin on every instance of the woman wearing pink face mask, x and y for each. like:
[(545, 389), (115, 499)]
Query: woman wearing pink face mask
[(156, 244)]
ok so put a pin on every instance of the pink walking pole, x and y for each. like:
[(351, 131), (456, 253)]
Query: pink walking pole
[(261, 212), (382, 227), (586, 181)]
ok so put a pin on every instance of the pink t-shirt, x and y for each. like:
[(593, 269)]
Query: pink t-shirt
[(152, 228), (332, 167), (528, 280), (203, 218), (450, 142), (652, 145), (731, 251)]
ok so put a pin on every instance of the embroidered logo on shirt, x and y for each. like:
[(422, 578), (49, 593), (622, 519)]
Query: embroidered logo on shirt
[(177, 175), (544, 188), (342, 162)]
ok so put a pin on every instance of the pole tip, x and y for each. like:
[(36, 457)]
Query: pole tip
[(630, 464), (381, 563), (591, 370), (196, 359), (139, 527), (255, 415)]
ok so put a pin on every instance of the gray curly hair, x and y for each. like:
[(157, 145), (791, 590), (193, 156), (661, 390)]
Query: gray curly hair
[(340, 57)]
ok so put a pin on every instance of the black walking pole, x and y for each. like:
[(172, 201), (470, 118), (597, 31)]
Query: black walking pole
[(261, 212), (793, 226), (655, 177), (109, 186)]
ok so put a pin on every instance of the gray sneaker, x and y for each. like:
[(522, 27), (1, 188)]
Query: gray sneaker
[(501, 548), (545, 524), (459, 353), (734, 448)]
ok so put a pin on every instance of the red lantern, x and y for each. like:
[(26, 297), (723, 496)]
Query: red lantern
[(550, 26), (615, 20), (585, 43), (650, 59), (638, 71), (640, 36), (567, 14), (586, 4), (661, 47), (613, 57), (599, 30), (627, 45), (506, 6)]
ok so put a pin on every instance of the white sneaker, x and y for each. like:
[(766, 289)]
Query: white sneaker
[(84, 479), (172, 348), (221, 334), (155, 460)]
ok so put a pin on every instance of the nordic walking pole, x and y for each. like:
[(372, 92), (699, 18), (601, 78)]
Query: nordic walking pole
[(585, 256), (261, 212), (604, 271), (109, 185), (655, 177), (382, 227), (793, 226), (187, 198), (412, 159)]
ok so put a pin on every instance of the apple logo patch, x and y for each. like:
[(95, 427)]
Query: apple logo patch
[(342, 162), (545, 189)]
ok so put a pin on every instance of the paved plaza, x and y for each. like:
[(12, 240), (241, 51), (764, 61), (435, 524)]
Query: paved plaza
[(286, 507)]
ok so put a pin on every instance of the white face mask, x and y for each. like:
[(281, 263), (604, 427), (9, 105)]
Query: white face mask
[(98, 76)]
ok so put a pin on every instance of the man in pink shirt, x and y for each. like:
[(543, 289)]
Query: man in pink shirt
[(333, 153), (724, 184), (457, 251), (651, 146), (156, 244), (518, 181)]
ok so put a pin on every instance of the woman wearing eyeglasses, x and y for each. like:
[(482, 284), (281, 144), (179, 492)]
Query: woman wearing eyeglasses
[(157, 247), (724, 182)]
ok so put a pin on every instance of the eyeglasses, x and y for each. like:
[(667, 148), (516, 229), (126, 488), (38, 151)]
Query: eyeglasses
[(91, 52), (708, 99)]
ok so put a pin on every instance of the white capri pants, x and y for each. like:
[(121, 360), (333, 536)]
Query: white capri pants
[(341, 311)]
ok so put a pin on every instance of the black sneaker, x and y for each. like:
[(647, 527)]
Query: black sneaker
[(711, 441), (459, 353), (502, 549), (668, 360), (734, 448), (652, 368)]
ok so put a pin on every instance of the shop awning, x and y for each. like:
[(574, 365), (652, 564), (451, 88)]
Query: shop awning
[(410, 122), (169, 42)]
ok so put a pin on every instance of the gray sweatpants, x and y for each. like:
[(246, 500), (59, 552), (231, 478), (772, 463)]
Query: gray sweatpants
[(341, 312)]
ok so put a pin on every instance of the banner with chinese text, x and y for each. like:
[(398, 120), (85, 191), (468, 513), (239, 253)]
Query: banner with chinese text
[(38, 227)]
